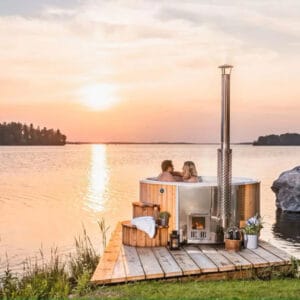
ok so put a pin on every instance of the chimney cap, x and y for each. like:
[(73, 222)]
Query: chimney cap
[(226, 67)]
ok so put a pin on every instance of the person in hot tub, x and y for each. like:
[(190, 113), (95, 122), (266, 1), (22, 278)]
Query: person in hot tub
[(189, 173), (168, 173)]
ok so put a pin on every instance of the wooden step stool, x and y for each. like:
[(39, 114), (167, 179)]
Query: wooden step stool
[(131, 236)]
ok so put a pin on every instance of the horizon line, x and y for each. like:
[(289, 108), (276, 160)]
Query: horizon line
[(163, 142)]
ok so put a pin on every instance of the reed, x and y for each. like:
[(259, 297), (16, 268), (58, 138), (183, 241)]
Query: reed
[(55, 278), (39, 280), (84, 259), (103, 230)]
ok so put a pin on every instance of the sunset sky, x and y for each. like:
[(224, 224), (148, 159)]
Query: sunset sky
[(147, 70)]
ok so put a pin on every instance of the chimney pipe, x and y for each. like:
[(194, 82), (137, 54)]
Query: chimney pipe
[(225, 153)]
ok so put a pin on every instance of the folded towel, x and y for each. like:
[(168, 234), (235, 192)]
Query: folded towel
[(146, 224)]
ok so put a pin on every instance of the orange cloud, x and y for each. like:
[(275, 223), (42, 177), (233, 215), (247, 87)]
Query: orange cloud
[(162, 61)]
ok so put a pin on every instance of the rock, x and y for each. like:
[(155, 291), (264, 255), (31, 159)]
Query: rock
[(287, 190)]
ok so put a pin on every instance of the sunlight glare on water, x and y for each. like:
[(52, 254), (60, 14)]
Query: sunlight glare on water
[(97, 178)]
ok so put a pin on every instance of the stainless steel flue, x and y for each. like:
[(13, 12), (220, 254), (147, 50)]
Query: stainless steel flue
[(225, 153)]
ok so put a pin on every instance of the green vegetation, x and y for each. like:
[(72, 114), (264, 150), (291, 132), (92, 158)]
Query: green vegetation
[(253, 225), (286, 139), (192, 289), (164, 215), (21, 134), (55, 279)]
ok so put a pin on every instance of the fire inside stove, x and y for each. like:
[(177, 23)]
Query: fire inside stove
[(198, 228), (198, 223)]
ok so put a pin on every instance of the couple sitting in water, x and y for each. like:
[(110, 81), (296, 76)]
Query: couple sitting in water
[(188, 174)]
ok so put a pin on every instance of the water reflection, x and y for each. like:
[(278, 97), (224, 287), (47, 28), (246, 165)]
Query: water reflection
[(97, 178), (287, 226)]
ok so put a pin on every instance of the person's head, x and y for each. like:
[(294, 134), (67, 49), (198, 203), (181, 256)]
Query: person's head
[(167, 166), (189, 169)]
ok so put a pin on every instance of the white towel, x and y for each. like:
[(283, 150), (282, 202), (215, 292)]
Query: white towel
[(146, 224)]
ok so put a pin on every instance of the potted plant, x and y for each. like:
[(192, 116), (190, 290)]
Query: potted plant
[(233, 239), (251, 230), (164, 218), (220, 234)]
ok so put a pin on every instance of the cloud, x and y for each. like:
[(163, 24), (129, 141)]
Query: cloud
[(31, 7), (161, 53), (247, 24)]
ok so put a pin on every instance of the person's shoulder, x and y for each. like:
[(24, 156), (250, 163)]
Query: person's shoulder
[(166, 176), (159, 176)]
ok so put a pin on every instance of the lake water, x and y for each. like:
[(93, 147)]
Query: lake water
[(49, 193)]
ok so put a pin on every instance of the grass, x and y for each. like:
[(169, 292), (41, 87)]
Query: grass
[(38, 280), (56, 278), (191, 289)]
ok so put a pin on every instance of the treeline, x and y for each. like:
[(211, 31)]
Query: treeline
[(21, 134), (286, 139)]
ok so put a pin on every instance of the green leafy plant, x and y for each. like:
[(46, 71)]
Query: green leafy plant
[(164, 218), (164, 215), (253, 225), (84, 285), (8, 285)]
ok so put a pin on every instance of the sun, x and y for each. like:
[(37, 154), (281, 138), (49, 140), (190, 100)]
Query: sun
[(98, 96)]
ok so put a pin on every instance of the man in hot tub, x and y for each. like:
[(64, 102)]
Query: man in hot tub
[(168, 173)]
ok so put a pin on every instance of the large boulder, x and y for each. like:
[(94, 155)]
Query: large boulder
[(287, 190)]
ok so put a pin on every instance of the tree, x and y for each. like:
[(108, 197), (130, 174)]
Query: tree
[(283, 139), (21, 134)]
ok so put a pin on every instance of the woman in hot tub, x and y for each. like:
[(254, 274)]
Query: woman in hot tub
[(189, 173)]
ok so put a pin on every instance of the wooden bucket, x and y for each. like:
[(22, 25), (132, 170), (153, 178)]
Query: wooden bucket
[(132, 236), (233, 245)]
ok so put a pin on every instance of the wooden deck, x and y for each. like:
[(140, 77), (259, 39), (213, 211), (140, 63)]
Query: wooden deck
[(120, 263)]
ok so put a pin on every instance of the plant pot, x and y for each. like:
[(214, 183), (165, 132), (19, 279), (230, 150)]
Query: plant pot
[(251, 241), (233, 245), (164, 221), (158, 222)]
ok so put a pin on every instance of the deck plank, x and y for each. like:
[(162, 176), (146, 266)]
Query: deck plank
[(118, 274), (185, 262), (149, 263), (239, 261), (269, 257), (104, 270), (276, 251), (204, 263), (256, 260), (219, 260), (133, 268), (167, 262)]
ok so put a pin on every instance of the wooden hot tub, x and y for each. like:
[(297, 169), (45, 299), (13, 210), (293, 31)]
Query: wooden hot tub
[(191, 202)]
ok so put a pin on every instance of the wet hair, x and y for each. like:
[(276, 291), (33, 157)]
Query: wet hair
[(166, 164), (189, 169)]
